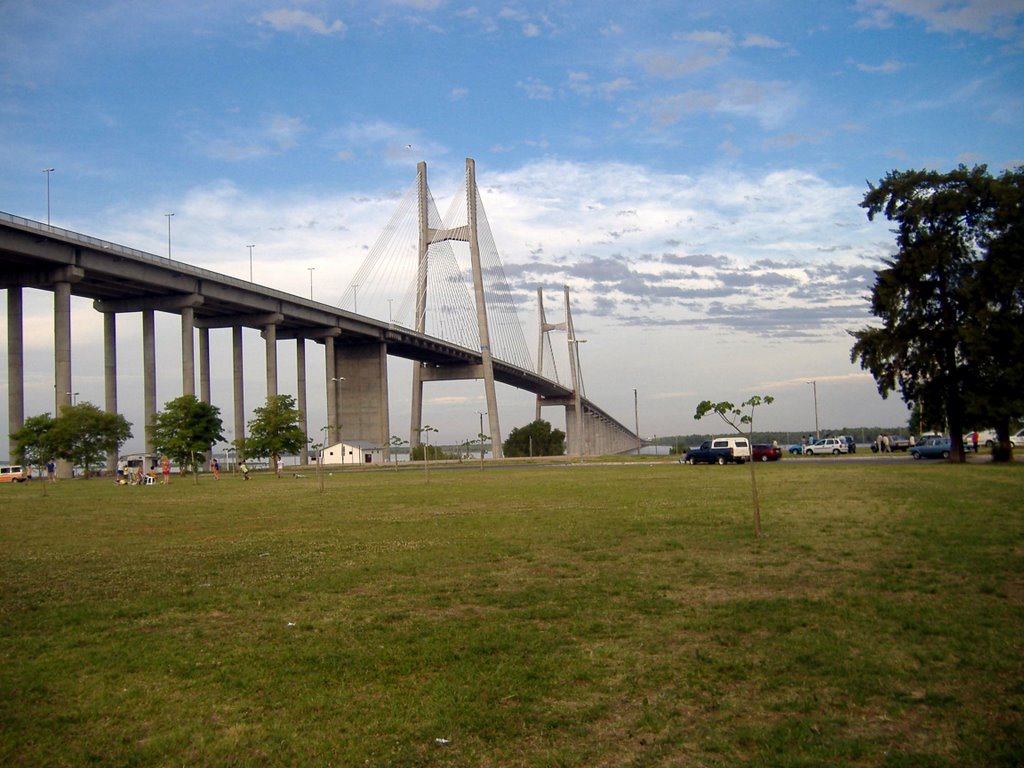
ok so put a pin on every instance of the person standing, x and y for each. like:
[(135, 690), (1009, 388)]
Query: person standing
[(215, 466), (51, 471), (165, 467)]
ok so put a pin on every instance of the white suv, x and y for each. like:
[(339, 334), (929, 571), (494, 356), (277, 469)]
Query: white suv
[(832, 445)]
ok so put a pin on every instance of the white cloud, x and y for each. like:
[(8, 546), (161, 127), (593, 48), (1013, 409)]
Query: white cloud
[(999, 18), (887, 67), (286, 20), (718, 39), (761, 41), (536, 89)]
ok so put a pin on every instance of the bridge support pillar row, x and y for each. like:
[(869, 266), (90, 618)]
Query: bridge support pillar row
[(239, 384), (149, 376), (15, 367), (110, 376), (365, 387), (270, 333), (300, 376), (188, 352), (62, 355)]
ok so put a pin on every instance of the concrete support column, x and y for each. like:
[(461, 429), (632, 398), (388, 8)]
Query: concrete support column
[(270, 334), (573, 433), (365, 369), (149, 375), (330, 355), (110, 375), (15, 367), (300, 375), (239, 382), (204, 374), (62, 355), (204, 365), (188, 352), (340, 412)]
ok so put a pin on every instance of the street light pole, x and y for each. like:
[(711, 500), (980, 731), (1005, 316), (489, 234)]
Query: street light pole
[(817, 432), (636, 419), (168, 215), (250, 247), (482, 414), (577, 386), (426, 448), (310, 282), (48, 171)]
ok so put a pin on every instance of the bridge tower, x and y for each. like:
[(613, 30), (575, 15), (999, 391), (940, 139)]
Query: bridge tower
[(467, 234), (576, 425)]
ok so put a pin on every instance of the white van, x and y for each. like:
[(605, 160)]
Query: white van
[(740, 447), (12, 474)]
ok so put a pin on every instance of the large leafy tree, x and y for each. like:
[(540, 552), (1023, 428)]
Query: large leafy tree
[(187, 428), (81, 434), (538, 437), (949, 300), (995, 335), (35, 440), (275, 431)]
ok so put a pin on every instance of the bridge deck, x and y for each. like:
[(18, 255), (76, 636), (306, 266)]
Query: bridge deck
[(35, 255)]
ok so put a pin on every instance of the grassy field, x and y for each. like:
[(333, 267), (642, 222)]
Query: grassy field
[(565, 616)]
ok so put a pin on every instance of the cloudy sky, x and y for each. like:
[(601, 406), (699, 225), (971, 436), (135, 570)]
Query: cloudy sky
[(691, 170)]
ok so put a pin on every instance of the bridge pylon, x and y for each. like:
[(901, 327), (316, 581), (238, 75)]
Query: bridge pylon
[(469, 234)]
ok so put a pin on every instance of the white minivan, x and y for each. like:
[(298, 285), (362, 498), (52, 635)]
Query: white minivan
[(740, 447)]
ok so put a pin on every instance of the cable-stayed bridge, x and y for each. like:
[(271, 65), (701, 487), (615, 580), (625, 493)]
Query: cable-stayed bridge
[(452, 326)]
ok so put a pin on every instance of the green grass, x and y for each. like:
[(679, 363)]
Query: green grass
[(569, 616)]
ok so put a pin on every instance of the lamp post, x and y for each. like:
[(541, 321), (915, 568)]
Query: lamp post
[(320, 457), (426, 448), (574, 362), (250, 247), (310, 282), (817, 433), (168, 215), (48, 171), (482, 437), (355, 299), (636, 420)]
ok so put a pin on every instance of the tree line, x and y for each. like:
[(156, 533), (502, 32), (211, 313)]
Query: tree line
[(184, 430)]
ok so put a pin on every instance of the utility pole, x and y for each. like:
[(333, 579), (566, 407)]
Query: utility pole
[(636, 419)]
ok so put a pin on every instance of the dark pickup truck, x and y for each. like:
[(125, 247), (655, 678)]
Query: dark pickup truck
[(708, 455)]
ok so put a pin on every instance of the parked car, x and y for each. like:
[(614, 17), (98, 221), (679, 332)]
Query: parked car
[(1017, 439), (720, 450), (796, 449), (932, 448), (826, 445), (766, 452), (896, 443), (12, 474)]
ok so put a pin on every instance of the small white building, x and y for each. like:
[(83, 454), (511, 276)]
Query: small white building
[(352, 452)]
